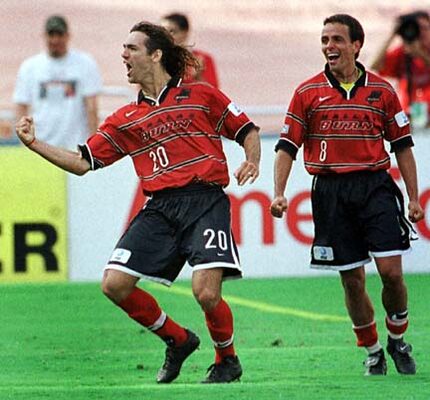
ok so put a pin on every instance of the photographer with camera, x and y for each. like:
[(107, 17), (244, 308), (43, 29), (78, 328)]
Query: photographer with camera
[(409, 63)]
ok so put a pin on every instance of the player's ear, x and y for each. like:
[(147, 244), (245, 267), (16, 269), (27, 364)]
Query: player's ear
[(357, 46), (157, 55)]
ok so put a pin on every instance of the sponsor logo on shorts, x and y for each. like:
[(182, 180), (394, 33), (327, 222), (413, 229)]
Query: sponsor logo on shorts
[(120, 255), (322, 253)]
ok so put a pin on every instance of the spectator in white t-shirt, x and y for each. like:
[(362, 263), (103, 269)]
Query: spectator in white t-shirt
[(59, 89)]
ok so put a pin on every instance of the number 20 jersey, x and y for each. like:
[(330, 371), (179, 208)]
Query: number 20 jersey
[(344, 131), (173, 140)]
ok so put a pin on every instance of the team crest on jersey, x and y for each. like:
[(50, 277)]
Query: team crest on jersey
[(374, 96), (183, 95)]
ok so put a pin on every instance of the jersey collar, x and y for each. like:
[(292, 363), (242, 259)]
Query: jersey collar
[(173, 82), (362, 81)]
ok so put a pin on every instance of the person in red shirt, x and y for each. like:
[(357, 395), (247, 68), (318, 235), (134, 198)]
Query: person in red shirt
[(178, 25), (341, 117), (173, 135), (409, 62)]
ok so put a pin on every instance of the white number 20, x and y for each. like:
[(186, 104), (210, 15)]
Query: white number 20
[(220, 237), (159, 158)]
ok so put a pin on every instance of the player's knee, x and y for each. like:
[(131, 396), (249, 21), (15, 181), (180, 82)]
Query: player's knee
[(392, 279), (114, 290), (354, 285), (108, 289), (207, 298)]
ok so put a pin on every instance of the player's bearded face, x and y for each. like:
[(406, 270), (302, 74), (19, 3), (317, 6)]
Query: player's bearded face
[(338, 49), (137, 61)]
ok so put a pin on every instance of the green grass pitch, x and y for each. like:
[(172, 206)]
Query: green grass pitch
[(66, 341)]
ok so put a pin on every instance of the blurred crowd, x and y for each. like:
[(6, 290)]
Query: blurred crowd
[(60, 86)]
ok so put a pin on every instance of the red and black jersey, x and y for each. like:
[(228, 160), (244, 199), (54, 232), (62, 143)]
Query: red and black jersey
[(173, 140), (344, 131)]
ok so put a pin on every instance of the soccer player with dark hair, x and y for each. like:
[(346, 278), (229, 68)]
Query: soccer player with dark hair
[(173, 135), (341, 117)]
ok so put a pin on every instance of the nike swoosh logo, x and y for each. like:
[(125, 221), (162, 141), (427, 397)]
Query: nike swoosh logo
[(324, 98), (130, 113)]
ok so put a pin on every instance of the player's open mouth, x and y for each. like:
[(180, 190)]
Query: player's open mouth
[(333, 56), (129, 68)]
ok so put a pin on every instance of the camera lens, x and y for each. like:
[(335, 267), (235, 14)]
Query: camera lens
[(409, 28)]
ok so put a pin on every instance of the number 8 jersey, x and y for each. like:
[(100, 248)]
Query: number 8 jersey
[(343, 131)]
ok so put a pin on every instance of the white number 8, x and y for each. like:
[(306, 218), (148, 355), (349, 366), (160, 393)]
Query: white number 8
[(323, 152)]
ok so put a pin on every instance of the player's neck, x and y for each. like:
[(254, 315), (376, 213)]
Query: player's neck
[(350, 75), (154, 86)]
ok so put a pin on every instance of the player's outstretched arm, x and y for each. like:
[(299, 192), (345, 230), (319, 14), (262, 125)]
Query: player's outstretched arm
[(249, 170), (68, 160)]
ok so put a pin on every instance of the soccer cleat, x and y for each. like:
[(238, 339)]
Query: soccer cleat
[(400, 352), (175, 357), (375, 364), (228, 370)]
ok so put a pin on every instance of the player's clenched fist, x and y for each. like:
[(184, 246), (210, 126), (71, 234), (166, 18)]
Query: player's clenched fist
[(279, 206), (25, 130), (416, 213)]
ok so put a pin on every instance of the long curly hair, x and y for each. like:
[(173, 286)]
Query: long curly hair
[(176, 59)]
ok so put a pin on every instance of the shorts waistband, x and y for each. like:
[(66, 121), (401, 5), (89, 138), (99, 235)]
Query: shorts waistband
[(193, 187), (353, 174)]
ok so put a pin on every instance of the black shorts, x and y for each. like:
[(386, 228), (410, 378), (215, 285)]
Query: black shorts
[(357, 215), (178, 225)]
